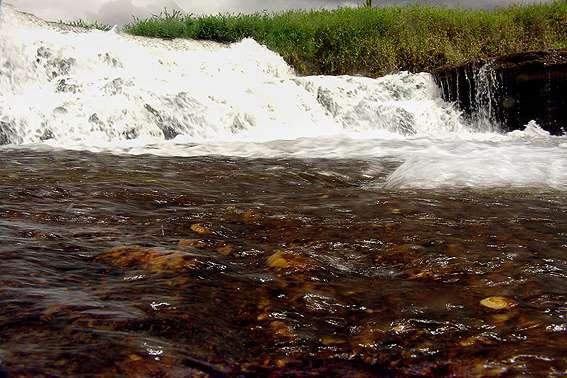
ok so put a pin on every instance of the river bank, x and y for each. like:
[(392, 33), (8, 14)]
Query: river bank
[(376, 41)]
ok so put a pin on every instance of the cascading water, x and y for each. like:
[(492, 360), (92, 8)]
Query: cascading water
[(484, 101), (102, 87), (346, 226), (108, 91)]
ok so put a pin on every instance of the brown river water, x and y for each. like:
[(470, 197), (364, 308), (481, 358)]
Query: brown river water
[(178, 267)]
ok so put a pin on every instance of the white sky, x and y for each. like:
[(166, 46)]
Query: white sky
[(120, 11)]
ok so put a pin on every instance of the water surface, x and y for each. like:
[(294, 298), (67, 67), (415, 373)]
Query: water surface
[(212, 266)]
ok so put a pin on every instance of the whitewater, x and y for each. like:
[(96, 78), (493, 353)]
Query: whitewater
[(344, 226), (72, 89)]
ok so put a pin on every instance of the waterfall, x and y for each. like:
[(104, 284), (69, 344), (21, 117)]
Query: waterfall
[(112, 92), (106, 87), (486, 92)]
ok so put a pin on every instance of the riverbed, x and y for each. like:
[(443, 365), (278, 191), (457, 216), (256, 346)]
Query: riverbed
[(185, 208), (219, 266)]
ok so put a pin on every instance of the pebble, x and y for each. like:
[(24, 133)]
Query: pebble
[(498, 303), (281, 329), (200, 229), (287, 260)]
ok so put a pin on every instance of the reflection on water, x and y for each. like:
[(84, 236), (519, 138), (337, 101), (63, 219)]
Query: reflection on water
[(173, 267)]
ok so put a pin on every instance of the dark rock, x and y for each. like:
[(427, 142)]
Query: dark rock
[(114, 87), (66, 85), (44, 52), (130, 134), (110, 60), (96, 120), (6, 133), (164, 123), (47, 134), (59, 67), (511, 90)]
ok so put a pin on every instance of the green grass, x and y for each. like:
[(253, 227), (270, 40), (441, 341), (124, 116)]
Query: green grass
[(376, 41), (86, 24)]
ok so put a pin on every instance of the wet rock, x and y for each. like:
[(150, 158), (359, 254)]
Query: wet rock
[(7, 132), (475, 340), (151, 260), (278, 260), (405, 122), (47, 134), (59, 67), (400, 254), (192, 243), (171, 262), (67, 86), (51, 312), (164, 123), (426, 275), (94, 119), (114, 87), (517, 88), (242, 122), (110, 60), (281, 363), (289, 261), (498, 303), (281, 330), (249, 216), (125, 256), (60, 110), (222, 248), (130, 134), (44, 52), (225, 250), (200, 229), (332, 341), (264, 306), (502, 318), (369, 335)]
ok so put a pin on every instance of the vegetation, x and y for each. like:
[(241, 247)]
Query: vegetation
[(86, 24), (375, 41)]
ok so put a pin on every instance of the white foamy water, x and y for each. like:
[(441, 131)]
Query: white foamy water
[(106, 91)]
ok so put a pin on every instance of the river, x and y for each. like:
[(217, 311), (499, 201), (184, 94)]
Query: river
[(182, 208)]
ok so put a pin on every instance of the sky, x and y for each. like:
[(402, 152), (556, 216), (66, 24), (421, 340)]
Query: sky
[(121, 11)]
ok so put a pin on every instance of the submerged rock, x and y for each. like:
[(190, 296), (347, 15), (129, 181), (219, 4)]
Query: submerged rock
[(498, 303), (289, 261), (281, 330), (200, 229), (220, 247), (149, 259)]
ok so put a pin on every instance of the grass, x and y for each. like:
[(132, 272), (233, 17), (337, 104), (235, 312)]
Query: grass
[(87, 25), (376, 41)]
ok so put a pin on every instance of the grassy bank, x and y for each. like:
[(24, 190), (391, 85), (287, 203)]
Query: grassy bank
[(376, 41)]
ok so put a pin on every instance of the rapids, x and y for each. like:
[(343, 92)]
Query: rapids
[(190, 209), (107, 91)]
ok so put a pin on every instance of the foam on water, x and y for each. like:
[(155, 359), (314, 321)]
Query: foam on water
[(106, 91)]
